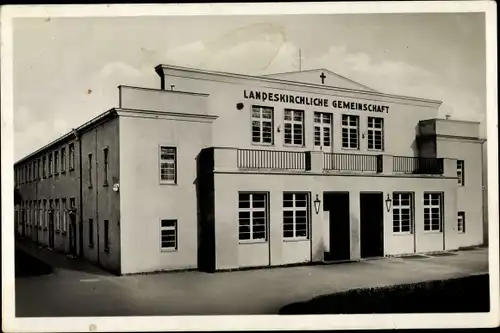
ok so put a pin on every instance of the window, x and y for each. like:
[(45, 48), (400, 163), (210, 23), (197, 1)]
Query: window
[(26, 177), (48, 205), (168, 161), (63, 159), (322, 129), (402, 213), (72, 204), (461, 172), (35, 177), (56, 162), (461, 222), (295, 216), (71, 156), (91, 233), (44, 167), (105, 151), (41, 206), (106, 235), (432, 211), (252, 216), (64, 215), (29, 172), (350, 132), (294, 127), (44, 211), (39, 169), (262, 125), (375, 133), (51, 170), (57, 215), (168, 235), (90, 170)]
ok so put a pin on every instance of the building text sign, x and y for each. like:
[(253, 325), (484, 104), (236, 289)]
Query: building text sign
[(314, 101)]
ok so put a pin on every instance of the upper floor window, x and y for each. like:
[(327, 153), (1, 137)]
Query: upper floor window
[(35, 176), (26, 177), (106, 163), (56, 162), (63, 159), (350, 131), (39, 169), (71, 156), (168, 165), (322, 129), (432, 212), (294, 127), (375, 133), (295, 216), (461, 172), (402, 212), (51, 170), (29, 172), (44, 167), (262, 125), (90, 169)]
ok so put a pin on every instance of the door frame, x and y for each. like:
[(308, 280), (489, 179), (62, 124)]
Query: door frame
[(382, 231)]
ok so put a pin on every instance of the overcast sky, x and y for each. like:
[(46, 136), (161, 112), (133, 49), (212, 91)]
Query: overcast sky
[(66, 70)]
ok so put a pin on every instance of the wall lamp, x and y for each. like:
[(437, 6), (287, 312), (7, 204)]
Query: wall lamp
[(388, 203), (317, 204)]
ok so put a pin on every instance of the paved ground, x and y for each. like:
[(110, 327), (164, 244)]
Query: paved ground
[(79, 289)]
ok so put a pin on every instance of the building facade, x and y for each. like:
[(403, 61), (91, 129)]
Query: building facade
[(217, 171)]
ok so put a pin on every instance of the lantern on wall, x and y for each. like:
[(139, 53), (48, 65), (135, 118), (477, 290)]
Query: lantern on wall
[(388, 203), (317, 204)]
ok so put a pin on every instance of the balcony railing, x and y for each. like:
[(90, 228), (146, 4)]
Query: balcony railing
[(271, 159), (417, 165), (352, 162)]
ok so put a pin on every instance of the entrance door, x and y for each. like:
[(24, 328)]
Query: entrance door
[(337, 203), (372, 224), (51, 230), (72, 233)]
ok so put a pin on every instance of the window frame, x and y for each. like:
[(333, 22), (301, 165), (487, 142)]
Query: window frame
[(350, 128), (44, 167), (175, 228), (64, 211), (252, 209), (461, 228), (461, 172), (307, 209), (105, 153), (71, 156), (411, 208), (160, 161), (89, 169), (293, 123), (261, 120), (321, 125), (430, 206), (63, 160), (51, 165), (372, 129)]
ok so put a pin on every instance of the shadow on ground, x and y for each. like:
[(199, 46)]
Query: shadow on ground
[(469, 294), (28, 266)]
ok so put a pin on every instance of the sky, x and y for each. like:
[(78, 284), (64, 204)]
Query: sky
[(67, 70)]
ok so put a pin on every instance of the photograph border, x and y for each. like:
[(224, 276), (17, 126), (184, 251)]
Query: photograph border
[(244, 322)]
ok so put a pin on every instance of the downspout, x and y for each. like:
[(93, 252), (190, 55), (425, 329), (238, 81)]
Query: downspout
[(80, 211)]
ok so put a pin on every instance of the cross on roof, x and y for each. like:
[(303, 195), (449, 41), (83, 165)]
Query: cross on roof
[(323, 77)]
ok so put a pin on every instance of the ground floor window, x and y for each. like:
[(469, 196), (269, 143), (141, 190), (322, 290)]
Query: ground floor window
[(168, 235), (106, 235), (402, 213), (295, 216), (433, 212), (91, 233), (252, 216), (461, 222)]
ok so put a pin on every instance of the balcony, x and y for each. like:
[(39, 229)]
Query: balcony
[(307, 162)]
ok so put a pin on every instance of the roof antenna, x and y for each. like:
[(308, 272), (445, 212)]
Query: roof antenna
[(300, 60), (447, 116)]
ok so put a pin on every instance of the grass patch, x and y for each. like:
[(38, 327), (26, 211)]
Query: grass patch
[(469, 294), (27, 265)]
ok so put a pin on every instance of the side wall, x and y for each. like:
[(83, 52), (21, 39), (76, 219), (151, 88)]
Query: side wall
[(100, 202), (145, 202), (470, 196)]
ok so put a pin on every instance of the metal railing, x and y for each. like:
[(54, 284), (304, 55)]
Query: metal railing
[(351, 162), (271, 159), (417, 165)]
